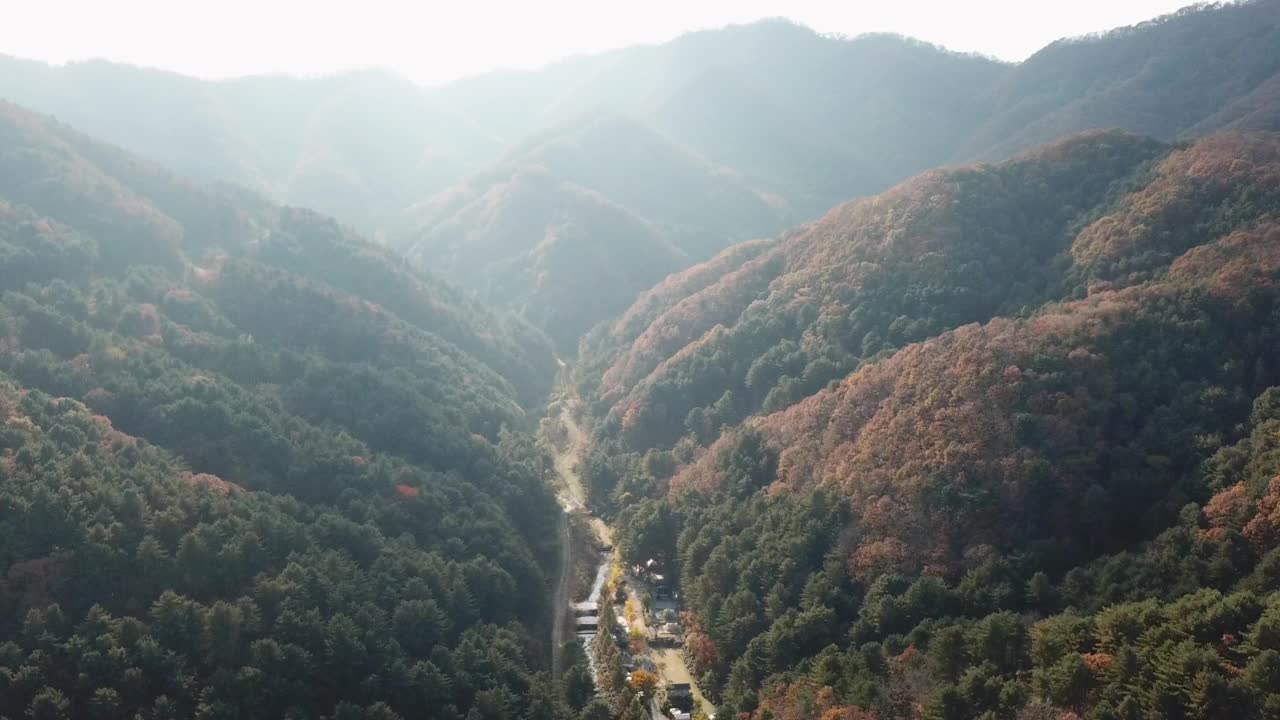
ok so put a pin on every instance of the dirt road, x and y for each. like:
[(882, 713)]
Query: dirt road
[(672, 669), (573, 498), (570, 490), (559, 626), (669, 662)]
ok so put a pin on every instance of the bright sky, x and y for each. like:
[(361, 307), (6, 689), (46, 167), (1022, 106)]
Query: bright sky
[(433, 41)]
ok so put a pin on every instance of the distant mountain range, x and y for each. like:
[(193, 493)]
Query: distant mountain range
[(688, 146)]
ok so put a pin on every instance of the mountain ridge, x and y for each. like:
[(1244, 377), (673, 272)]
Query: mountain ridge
[(787, 122)]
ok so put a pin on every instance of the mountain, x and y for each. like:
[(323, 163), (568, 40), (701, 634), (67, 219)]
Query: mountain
[(927, 455), (253, 465), (783, 106), (998, 439), (1204, 68), (559, 234), (688, 146), (872, 275), (361, 145)]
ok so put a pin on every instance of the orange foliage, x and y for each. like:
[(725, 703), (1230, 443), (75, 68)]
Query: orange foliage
[(1188, 183), (946, 408), (677, 286), (687, 321), (1263, 530), (1243, 260), (908, 657), (699, 646), (848, 712), (643, 681), (407, 491), (214, 483), (804, 700), (877, 558), (1227, 508), (1096, 663)]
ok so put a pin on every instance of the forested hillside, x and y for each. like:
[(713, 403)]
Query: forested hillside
[(557, 232), (947, 248), (995, 443), (1206, 68), (253, 466)]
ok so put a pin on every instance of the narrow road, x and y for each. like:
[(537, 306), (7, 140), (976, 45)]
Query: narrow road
[(570, 491), (672, 669), (560, 602), (669, 662), (572, 496)]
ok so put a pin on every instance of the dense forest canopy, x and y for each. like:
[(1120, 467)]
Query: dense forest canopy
[(253, 466), (941, 445), (562, 193)]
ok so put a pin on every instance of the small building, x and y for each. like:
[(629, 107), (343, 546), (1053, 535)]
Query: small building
[(680, 695), (588, 624)]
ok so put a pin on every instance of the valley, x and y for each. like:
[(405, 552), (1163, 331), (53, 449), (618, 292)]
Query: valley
[(568, 453), (761, 373)]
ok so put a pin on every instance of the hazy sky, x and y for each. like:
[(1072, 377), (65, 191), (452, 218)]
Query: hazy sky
[(432, 41)]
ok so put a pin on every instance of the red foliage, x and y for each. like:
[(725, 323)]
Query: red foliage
[(1187, 183), (1234, 265), (949, 409), (804, 700), (909, 656), (702, 649), (1227, 509), (878, 557), (407, 491), (1096, 663), (686, 322), (1263, 530)]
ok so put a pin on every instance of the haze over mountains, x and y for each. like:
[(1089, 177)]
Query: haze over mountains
[(767, 125), (938, 387)]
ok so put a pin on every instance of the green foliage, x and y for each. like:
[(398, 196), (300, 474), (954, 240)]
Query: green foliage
[(252, 466)]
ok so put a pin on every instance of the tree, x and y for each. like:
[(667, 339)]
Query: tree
[(105, 704), (643, 682), (948, 653), (544, 702), (49, 704), (635, 710), (578, 687), (597, 709), (1066, 681)]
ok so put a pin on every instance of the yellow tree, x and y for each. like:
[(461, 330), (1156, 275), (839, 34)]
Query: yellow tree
[(644, 682)]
